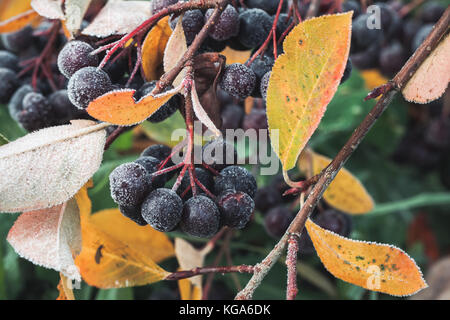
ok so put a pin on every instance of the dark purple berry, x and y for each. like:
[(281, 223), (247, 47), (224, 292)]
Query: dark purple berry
[(227, 25), (8, 84), (347, 71), (420, 36), (74, 56), (238, 80), (133, 213), (162, 209), (232, 115), (151, 164), (236, 208), (256, 119), (201, 217), (432, 11), (277, 220), (19, 40), (392, 58), (158, 5), (255, 25), (9, 60), (219, 154), (15, 105), (202, 175), (235, 178), (36, 112), (266, 198)]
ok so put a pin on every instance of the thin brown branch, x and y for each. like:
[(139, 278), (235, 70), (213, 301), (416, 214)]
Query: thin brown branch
[(327, 175), (291, 263), (205, 270)]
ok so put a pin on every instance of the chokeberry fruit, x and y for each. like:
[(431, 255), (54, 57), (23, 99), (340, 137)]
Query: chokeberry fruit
[(15, 105), (256, 119), (62, 108), (432, 11), (133, 213), (36, 112), (232, 115), (362, 36), (266, 198), (201, 217), (151, 164), (227, 25), (158, 151), (219, 154), (162, 209), (86, 85), (158, 5), (420, 36), (9, 60), (236, 208), (264, 85), (130, 184), (193, 21), (334, 221), (392, 58), (19, 40), (260, 66), (238, 80), (74, 56), (8, 84), (235, 178), (277, 220), (269, 6), (255, 25), (202, 175)]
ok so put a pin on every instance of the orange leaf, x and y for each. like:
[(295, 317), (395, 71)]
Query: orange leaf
[(65, 291), (108, 262), (12, 8), (153, 49), (188, 290), (18, 22), (236, 56), (154, 244), (346, 192), (120, 108), (304, 79), (377, 267), (373, 78), (431, 79)]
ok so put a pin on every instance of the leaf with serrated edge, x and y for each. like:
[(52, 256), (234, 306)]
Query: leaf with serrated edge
[(49, 237), (430, 81), (151, 243), (304, 79), (119, 107), (175, 49), (346, 192), (75, 11), (118, 17), (374, 266), (106, 262), (201, 113), (153, 49), (47, 167), (50, 9), (18, 22)]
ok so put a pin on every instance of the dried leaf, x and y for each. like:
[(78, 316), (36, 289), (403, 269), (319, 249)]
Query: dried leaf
[(75, 11), (18, 22), (377, 267), (107, 262), (50, 9), (153, 49), (175, 49), (120, 108), (201, 113), (49, 237), (118, 17), (431, 79), (345, 193), (47, 167), (304, 79), (189, 258), (65, 292), (151, 243)]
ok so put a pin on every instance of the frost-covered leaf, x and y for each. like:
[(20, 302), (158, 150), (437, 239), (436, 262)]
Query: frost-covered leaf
[(374, 266), (201, 113), (47, 167), (118, 17), (119, 107), (49, 237), (153, 49), (50, 9), (431, 79), (304, 80), (75, 11), (175, 49), (18, 22)]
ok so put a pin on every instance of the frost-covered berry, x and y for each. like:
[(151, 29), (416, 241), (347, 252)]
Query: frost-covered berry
[(158, 151), (15, 105), (202, 175), (162, 209), (238, 80), (151, 165), (74, 56), (130, 184), (260, 66), (236, 208), (264, 85), (158, 5), (201, 217), (255, 25), (235, 178), (193, 22), (36, 112), (9, 60), (227, 25), (86, 85), (133, 213), (219, 154)]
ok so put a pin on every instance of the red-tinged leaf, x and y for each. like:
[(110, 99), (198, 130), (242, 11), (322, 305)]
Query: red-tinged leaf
[(377, 267), (118, 17), (120, 108), (304, 80), (49, 237), (18, 22), (431, 79)]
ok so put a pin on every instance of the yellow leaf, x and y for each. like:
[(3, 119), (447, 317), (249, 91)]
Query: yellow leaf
[(377, 267), (189, 291), (373, 78), (304, 79), (346, 192), (120, 108), (431, 79), (154, 244), (236, 56), (153, 49), (12, 8), (18, 22), (107, 262)]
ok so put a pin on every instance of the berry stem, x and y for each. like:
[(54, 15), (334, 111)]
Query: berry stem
[(205, 270), (329, 173), (291, 263)]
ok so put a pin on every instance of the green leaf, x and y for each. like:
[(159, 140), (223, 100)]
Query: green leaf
[(162, 132), (10, 130), (115, 294)]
